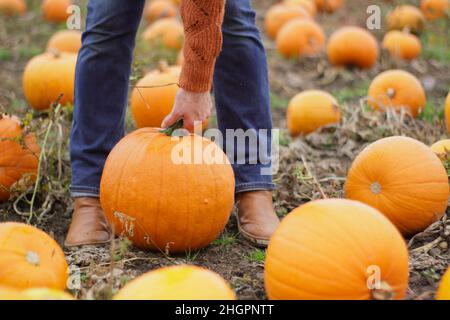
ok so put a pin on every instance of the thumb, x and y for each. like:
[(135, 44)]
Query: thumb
[(169, 120)]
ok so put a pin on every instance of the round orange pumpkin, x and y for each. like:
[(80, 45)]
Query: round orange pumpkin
[(56, 10), (353, 46), (444, 287), (300, 37), (308, 5), (311, 109), (279, 14), (13, 7), (403, 179), (406, 17), (167, 32), (328, 6), (182, 282), (65, 41), (447, 112), (402, 45), (7, 293), (30, 258), (441, 147), (155, 194), (47, 294), (434, 9), (19, 154), (47, 76), (397, 89), (336, 249), (158, 9)]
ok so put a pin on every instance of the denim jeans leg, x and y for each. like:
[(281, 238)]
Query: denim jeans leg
[(101, 88), (241, 90)]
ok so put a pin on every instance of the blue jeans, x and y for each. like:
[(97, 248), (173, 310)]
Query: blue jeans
[(101, 89)]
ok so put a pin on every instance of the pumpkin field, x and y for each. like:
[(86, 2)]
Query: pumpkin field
[(362, 170)]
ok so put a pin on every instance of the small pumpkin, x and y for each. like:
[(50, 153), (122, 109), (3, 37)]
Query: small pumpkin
[(336, 249), (441, 147), (310, 110), (47, 76), (65, 41), (7, 293), (447, 112), (279, 14), (30, 258), (183, 282), (47, 294), (402, 45), (406, 17), (403, 179), (56, 10), (328, 6), (167, 32), (308, 5), (13, 7), (397, 89), (353, 46), (444, 287), (300, 37), (181, 204), (158, 9), (19, 154), (435, 9)]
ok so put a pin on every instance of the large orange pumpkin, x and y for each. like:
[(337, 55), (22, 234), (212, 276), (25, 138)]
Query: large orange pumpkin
[(402, 45), (158, 9), (30, 258), (336, 249), (47, 294), (182, 282), (353, 46), (403, 179), (56, 10), (155, 194), (435, 9), (397, 89), (300, 37), (167, 32), (328, 6), (47, 76), (65, 41), (13, 7), (19, 154), (447, 112), (406, 17), (308, 5), (441, 147), (444, 287), (279, 14), (311, 109)]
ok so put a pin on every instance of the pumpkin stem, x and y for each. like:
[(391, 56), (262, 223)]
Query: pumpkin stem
[(384, 292), (170, 130), (163, 66), (33, 258), (390, 93), (55, 53), (375, 187)]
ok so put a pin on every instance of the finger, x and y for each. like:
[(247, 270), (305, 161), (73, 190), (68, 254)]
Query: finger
[(170, 120), (189, 124)]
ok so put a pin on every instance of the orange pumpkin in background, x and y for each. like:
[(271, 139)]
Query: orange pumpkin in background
[(30, 258), (158, 9), (19, 154), (47, 294), (13, 7), (167, 32), (447, 112), (441, 147), (435, 9), (300, 37), (403, 179), (308, 5), (182, 282), (397, 89), (56, 10), (402, 45), (65, 41), (444, 287), (182, 203), (47, 76), (8, 293), (328, 6), (310, 110), (353, 46), (279, 14), (332, 250), (406, 17)]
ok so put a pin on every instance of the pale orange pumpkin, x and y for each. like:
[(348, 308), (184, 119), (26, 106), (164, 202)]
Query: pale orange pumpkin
[(47, 76), (13, 7), (300, 37), (435, 9), (406, 17), (308, 5), (310, 110), (336, 249), (353, 46), (47, 294), (8, 293), (397, 89), (444, 287), (158, 9), (65, 41), (403, 179), (56, 10), (328, 6), (183, 282), (30, 258), (447, 112), (19, 154), (279, 14), (402, 45), (167, 32), (167, 194), (441, 147)]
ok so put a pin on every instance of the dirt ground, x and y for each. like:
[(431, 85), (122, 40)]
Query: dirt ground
[(326, 154)]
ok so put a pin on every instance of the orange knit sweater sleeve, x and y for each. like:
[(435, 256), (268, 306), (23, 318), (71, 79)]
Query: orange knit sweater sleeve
[(202, 20)]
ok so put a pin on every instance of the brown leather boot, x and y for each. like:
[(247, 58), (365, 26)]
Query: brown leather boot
[(89, 225), (256, 216)]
